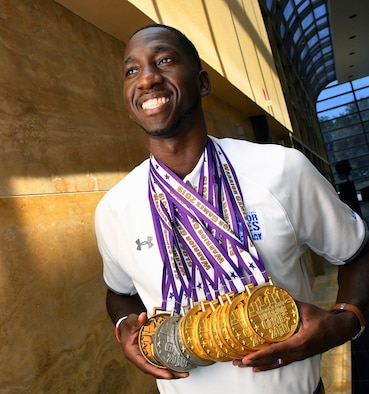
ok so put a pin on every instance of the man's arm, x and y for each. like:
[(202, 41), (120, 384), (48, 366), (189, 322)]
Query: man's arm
[(353, 281), (122, 305), (320, 330)]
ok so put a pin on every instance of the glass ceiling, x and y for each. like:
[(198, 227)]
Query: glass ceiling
[(342, 109), (303, 26)]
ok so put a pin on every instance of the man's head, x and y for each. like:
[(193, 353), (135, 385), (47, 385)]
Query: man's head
[(185, 43), (163, 81)]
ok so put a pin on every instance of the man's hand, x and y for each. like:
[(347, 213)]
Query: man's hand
[(129, 330), (318, 332)]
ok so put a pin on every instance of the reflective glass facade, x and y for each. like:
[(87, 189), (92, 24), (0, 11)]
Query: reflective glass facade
[(342, 109), (343, 113)]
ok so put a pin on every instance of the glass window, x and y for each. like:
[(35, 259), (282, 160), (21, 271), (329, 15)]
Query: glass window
[(269, 4), (333, 89), (303, 6), (347, 154), (309, 67), (282, 30), (297, 35), (327, 49), (319, 11), (360, 83), (365, 115), (309, 30), (317, 57), (335, 102), (363, 104), (320, 69), (322, 22), (304, 53), (292, 20), (362, 93), (361, 162), (288, 10), (348, 143), (338, 112), (323, 33), (307, 21), (313, 40), (338, 134)]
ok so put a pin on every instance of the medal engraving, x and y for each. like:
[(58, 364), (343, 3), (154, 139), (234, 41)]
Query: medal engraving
[(207, 343), (221, 333), (272, 313), (167, 348), (240, 331), (219, 329), (145, 338), (186, 337)]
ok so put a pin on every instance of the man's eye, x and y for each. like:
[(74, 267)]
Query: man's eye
[(130, 71), (165, 60)]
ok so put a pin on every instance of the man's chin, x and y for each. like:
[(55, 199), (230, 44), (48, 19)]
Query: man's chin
[(159, 133)]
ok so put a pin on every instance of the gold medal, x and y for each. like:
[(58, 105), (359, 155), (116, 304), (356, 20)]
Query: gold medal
[(186, 336), (219, 332), (240, 331), (146, 336), (206, 341), (271, 312)]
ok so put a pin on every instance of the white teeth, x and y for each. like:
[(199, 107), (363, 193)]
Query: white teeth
[(154, 103)]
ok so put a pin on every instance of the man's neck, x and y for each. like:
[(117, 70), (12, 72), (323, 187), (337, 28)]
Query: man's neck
[(179, 154)]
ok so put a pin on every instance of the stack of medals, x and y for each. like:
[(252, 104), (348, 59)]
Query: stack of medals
[(196, 231), (221, 330)]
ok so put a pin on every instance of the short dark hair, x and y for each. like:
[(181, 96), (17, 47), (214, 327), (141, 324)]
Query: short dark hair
[(185, 42)]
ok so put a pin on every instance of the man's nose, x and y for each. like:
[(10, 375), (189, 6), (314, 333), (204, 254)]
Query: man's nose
[(149, 77)]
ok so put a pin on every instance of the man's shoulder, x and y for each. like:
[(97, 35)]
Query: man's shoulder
[(255, 157), (251, 148), (130, 188)]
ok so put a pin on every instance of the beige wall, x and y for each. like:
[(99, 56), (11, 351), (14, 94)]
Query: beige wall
[(65, 139)]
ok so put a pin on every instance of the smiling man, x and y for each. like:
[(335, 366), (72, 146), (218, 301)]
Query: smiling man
[(203, 219)]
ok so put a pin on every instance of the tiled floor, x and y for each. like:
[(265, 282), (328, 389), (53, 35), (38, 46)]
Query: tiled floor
[(336, 363)]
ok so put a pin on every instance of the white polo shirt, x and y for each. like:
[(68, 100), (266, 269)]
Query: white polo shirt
[(290, 207)]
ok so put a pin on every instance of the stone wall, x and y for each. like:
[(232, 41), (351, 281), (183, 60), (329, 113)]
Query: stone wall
[(65, 139)]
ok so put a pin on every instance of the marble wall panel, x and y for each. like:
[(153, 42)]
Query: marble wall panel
[(55, 333), (61, 109)]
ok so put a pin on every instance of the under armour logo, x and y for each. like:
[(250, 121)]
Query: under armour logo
[(148, 243)]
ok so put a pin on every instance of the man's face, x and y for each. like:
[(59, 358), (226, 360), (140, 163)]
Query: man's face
[(161, 83)]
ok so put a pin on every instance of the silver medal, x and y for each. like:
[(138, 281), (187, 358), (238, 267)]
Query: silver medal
[(167, 349)]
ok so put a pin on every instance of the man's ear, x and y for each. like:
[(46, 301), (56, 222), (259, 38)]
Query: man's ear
[(205, 83)]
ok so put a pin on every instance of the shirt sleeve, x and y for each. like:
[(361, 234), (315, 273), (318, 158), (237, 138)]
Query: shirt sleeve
[(321, 220), (108, 238)]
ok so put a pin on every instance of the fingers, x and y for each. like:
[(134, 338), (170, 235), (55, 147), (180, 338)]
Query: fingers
[(274, 356), (132, 352)]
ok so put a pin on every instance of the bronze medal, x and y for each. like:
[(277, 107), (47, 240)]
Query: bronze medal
[(146, 335)]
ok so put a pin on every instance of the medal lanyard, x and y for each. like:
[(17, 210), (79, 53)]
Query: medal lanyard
[(203, 238)]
